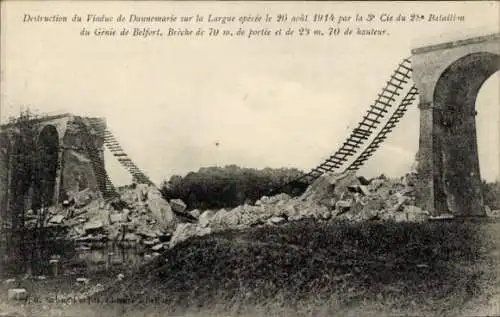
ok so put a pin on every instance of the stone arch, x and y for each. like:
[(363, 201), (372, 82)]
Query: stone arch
[(46, 165), (457, 175)]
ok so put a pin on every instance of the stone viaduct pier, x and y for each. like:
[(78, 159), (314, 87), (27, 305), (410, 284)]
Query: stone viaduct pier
[(449, 76), (71, 153)]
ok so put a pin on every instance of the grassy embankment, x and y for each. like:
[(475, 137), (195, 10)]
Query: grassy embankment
[(315, 269), (431, 268)]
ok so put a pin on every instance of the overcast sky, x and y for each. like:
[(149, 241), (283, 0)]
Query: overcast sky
[(266, 102)]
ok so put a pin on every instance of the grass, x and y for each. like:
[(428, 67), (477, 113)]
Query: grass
[(429, 268), (307, 268)]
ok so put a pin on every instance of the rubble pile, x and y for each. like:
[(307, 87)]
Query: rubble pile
[(145, 217), (339, 196), (152, 221)]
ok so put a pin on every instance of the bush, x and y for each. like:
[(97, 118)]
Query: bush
[(226, 187), (491, 194)]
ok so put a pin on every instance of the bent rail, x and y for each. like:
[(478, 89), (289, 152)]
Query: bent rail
[(106, 187), (370, 121), (109, 191), (385, 131), (397, 83), (115, 148)]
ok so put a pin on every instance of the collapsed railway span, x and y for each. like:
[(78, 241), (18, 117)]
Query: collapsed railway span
[(81, 142), (446, 78), (398, 82)]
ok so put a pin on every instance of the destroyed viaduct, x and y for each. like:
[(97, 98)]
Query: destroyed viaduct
[(72, 153), (448, 77)]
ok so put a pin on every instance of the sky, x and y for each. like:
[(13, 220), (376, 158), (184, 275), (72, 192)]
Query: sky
[(178, 104)]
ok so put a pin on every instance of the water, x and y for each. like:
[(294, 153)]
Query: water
[(60, 256), (99, 256)]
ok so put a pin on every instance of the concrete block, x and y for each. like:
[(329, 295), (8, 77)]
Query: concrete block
[(17, 294)]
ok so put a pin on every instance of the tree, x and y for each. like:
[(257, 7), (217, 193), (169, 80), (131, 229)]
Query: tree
[(22, 134), (491, 194), (226, 187)]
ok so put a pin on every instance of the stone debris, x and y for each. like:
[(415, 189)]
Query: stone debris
[(147, 233), (415, 214), (131, 237), (17, 294), (187, 230), (364, 190), (157, 247), (9, 281), (342, 196), (93, 227), (161, 210), (491, 213), (140, 215), (330, 186), (442, 217), (206, 217), (178, 205), (143, 216), (82, 198), (276, 220), (120, 217), (195, 213), (151, 243), (82, 280), (57, 219), (487, 210)]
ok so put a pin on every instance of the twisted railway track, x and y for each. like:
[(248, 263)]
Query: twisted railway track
[(399, 80), (385, 131), (116, 149), (107, 188)]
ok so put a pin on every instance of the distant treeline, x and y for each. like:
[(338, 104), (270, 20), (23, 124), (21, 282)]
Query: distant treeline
[(491, 194), (229, 186)]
